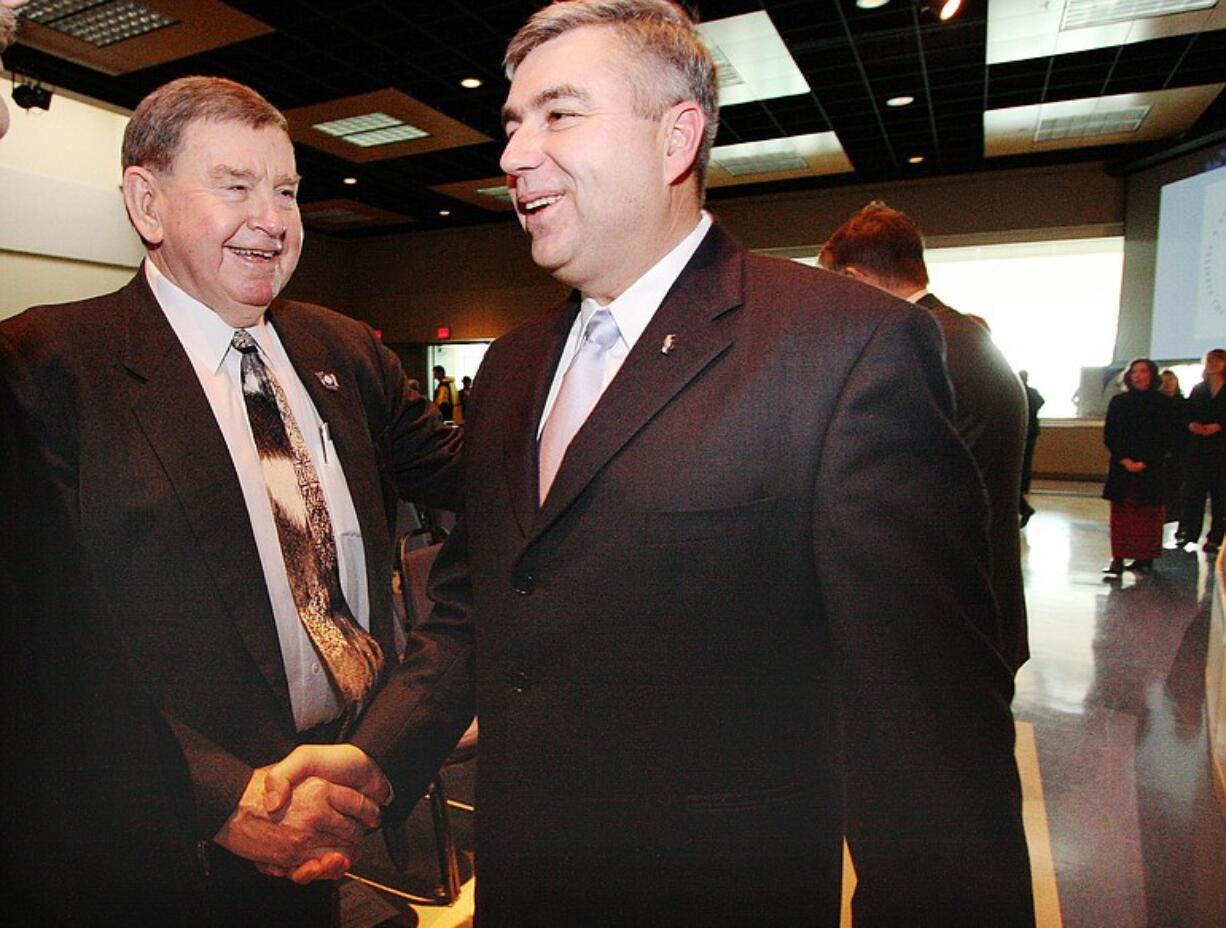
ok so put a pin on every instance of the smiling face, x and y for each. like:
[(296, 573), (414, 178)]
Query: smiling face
[(595, 184), (223, 223)]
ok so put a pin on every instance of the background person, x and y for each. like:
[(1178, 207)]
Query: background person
[(883, 247), (1173, 467), (445, 396), (1205, 467), (1034, 402), (8, 34), (1137, 433)]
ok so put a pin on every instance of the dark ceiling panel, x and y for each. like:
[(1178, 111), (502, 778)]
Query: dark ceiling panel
[(853, 60)]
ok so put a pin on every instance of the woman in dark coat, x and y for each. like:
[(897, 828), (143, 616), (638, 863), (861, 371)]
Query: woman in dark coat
[(1173, 467), (1137, 434)]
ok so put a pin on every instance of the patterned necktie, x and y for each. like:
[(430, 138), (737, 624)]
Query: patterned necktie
[(581, 388), (353, 658)]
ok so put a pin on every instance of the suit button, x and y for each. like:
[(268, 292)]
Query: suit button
[(523, 583), (520, 681)]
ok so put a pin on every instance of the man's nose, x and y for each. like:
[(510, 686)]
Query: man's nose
[(522, 152), (268, 215)]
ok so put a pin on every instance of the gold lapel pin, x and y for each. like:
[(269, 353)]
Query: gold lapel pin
[(670, 342)]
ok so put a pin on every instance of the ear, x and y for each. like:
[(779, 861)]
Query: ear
[(684, 127), (856, 274), (142, 197)]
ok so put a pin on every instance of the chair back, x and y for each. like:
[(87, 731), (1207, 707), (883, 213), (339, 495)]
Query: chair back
[(415, 564)]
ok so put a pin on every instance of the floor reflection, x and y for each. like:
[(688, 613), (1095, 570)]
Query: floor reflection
[(1115, 691)]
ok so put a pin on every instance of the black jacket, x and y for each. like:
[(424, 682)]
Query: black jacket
[(1138, 427)]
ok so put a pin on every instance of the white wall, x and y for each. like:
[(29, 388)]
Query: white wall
[(63, 230)]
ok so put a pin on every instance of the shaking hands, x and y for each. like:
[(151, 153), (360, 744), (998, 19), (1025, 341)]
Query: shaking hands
[(304, 816)]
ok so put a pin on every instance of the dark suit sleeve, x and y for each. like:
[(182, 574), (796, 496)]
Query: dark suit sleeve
[(901, 550), (420, 713)]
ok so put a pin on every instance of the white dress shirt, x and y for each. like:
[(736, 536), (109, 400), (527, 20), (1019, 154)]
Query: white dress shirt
[(205, 337), (632, 311)]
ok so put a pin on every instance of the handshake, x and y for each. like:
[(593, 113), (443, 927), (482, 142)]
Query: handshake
[(304, 816)]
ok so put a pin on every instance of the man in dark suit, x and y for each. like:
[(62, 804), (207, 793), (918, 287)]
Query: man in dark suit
[(229, 462), (695, 637), (883, 247), (1034, 402), (78, 733)]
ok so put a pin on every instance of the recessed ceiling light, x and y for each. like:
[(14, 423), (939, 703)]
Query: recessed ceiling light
[(915, 159), (471, 83), (350, 180), (901, 100), (444, 212), (871, 4), (949, 9)]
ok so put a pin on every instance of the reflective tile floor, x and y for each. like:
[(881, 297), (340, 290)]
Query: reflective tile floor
[(1112, 742), (1115, 693)]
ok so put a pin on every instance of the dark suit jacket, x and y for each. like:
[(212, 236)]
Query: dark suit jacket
[(669, 652), (991, 414), (79, 733), (132, 446)]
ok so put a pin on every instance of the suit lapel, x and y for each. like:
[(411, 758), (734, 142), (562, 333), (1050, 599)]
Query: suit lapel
[(179, 425), (348, 426), (650, 378)]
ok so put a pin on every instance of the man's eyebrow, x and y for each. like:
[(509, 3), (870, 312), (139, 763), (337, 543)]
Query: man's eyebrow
[(226, 172), (545, 97), (223, 172)]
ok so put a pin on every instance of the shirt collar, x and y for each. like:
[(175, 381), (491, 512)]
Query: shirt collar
[(633, 309), (204, 334), (918, 295)]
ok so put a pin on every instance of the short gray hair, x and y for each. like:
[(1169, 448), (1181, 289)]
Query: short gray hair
[(654, 29), (155, 132)]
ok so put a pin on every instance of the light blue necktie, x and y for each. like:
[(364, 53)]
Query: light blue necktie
[(581, 388)]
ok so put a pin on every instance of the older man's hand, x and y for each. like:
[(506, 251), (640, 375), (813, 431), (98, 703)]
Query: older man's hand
[(342, 764), (319, 822)]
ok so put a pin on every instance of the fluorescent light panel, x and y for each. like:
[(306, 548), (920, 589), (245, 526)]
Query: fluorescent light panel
[(1087, 125), (1079, 14), (778, 159), (99, 24), (337, 217), (1127, 117), (401, 133), (371, 129), (754, 62), (496, 193), (1025, 29)]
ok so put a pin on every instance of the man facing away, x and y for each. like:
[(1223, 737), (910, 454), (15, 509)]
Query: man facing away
[(1034, 402), (229, 462), (697, 639), (883, 247)]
